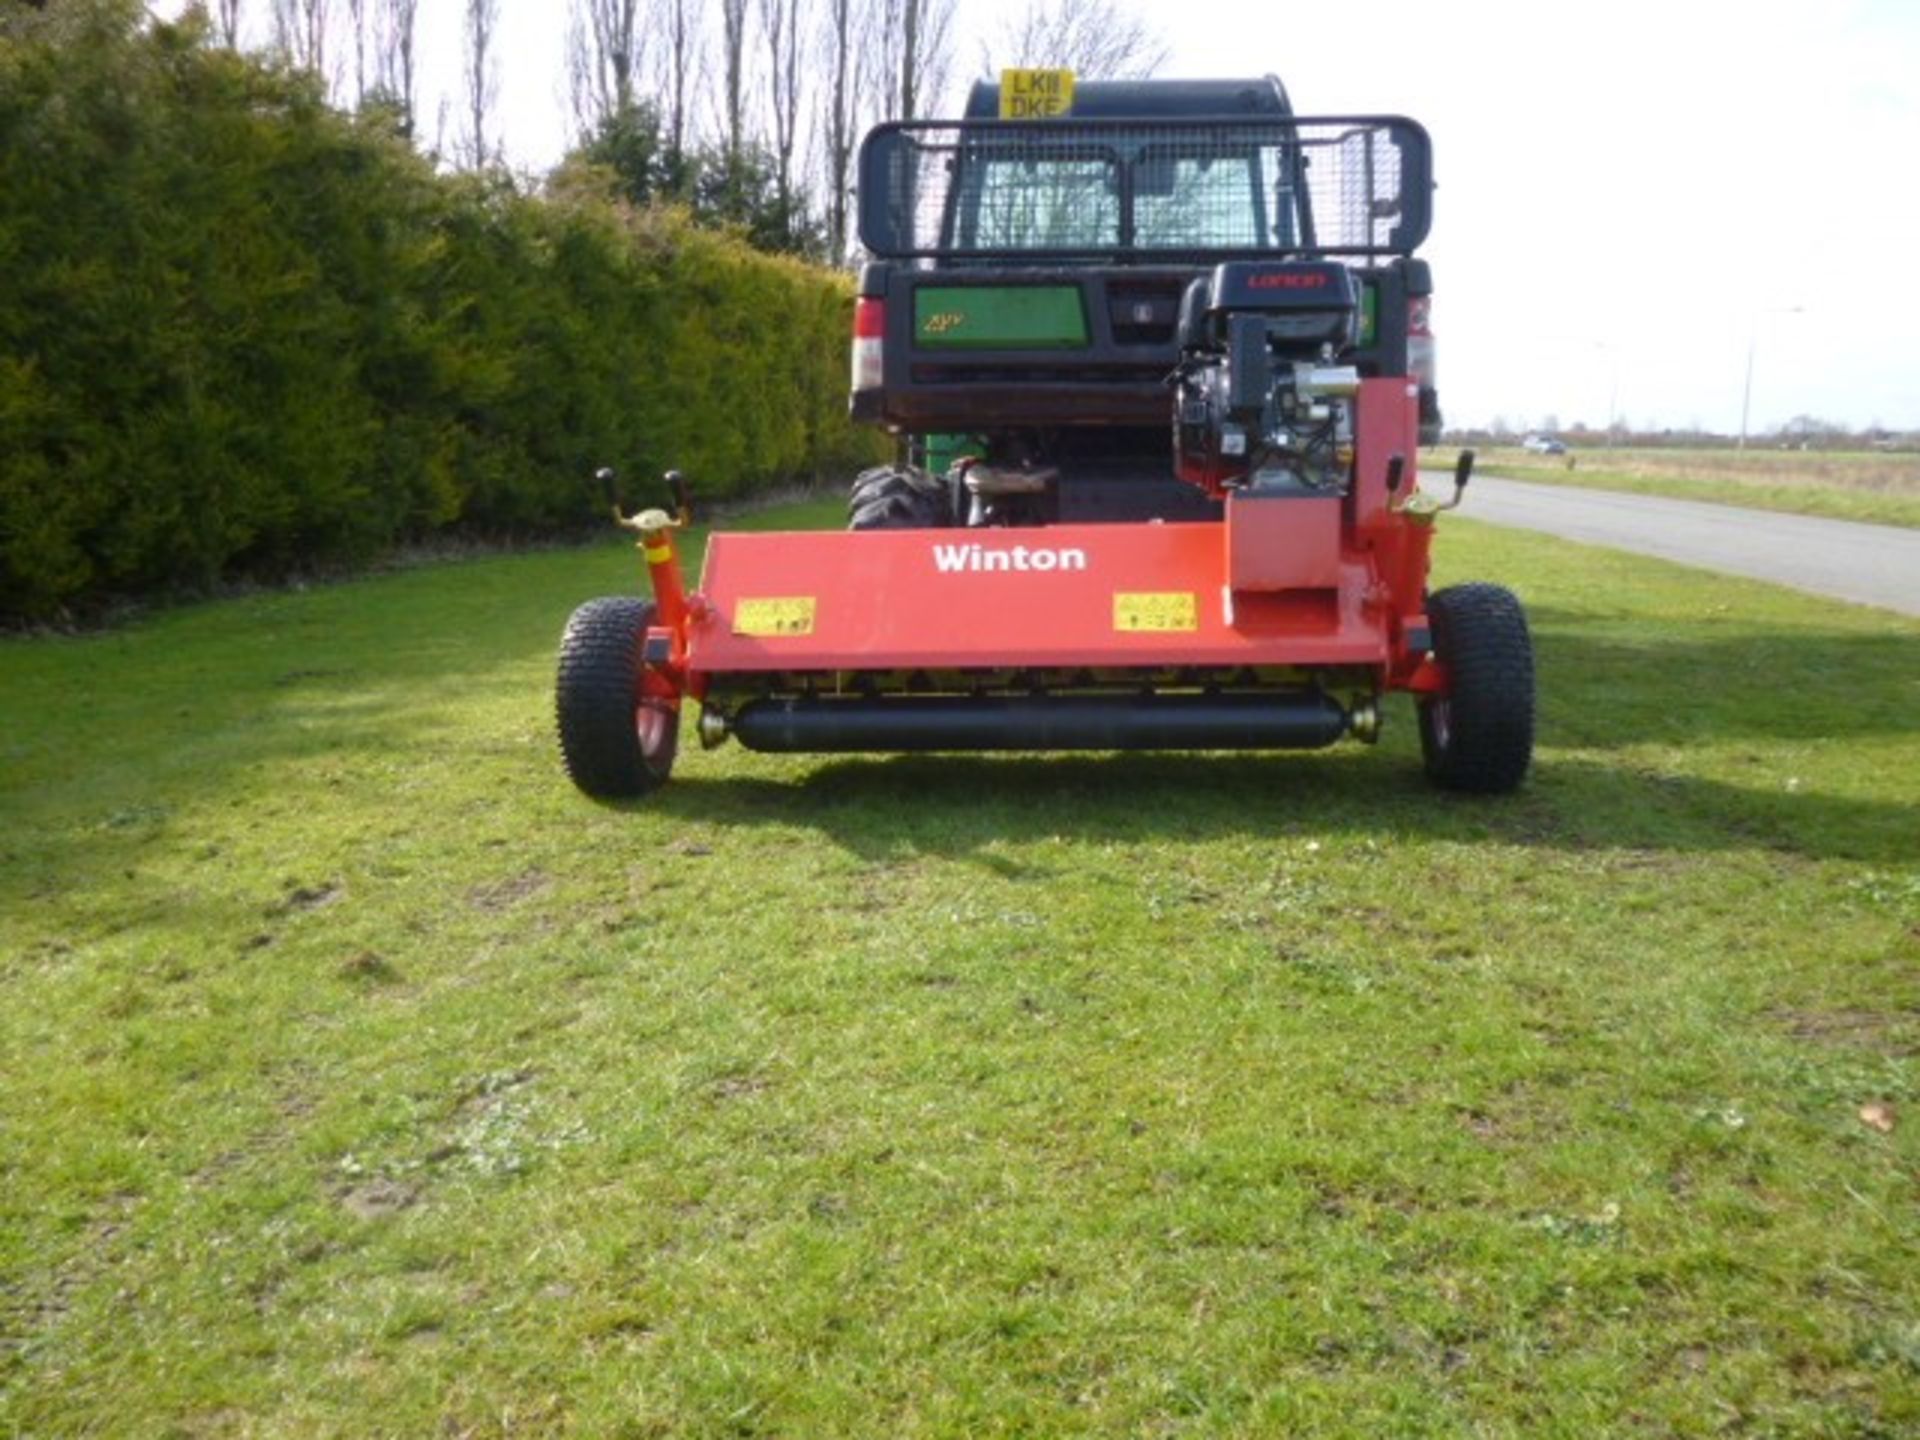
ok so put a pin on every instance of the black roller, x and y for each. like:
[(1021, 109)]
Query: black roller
[(1041, 722)]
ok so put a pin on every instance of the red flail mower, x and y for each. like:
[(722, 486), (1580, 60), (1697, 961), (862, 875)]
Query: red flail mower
[(1159, 368)]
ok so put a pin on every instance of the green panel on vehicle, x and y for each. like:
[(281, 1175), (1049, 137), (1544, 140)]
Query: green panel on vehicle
[(999, 317), (943, 450)]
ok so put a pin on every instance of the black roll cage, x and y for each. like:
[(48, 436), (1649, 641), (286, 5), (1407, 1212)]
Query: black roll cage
[(1124, 142)]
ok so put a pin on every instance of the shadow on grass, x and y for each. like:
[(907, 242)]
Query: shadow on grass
[(1724, 680), (887, 808), (382, 676), (1608, 686)]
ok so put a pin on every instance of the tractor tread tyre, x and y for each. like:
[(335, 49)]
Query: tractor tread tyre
[(899, 497), (1478, 738), (611, 750)]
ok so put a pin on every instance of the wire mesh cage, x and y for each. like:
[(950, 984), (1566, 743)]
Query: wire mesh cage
[(1167, 189)]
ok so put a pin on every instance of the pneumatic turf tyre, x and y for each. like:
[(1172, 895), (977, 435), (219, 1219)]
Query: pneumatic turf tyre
[(619, 725), (899, 497), (1479, 736)]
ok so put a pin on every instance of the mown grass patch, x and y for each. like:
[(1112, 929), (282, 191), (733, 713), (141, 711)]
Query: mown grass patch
[(1879, 488), (361, 1078)]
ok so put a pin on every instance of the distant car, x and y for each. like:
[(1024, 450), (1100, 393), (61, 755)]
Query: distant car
[(1543, 445)]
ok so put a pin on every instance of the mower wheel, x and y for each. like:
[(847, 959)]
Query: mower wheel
[(1478, 737), (900, 497), (619, 720)]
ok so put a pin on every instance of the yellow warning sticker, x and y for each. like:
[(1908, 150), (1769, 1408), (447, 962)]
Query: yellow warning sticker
[(792, 615), (1175, 610), (1035, 94)]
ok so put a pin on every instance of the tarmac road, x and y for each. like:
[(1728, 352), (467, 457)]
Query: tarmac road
[(1868, 564)]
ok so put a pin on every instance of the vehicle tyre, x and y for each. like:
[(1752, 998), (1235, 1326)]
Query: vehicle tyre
[(619, 719), (900, 497), (1478, 737)]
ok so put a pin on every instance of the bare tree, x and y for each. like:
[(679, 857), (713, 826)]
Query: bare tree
[(678, 67), (1097, 39), (927, 58), (357, 23), (300, 33), (226, 22), (909, 47), (908, 41), (733, 59), (785, 22), (480, 75), (606, 43), (837, 145), (396, 31)]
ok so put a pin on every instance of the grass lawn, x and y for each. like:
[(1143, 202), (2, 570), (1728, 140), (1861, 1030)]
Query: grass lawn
[(1883, 489), (362, 1079)]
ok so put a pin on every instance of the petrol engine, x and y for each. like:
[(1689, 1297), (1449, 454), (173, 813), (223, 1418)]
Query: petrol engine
[(1261, 403)]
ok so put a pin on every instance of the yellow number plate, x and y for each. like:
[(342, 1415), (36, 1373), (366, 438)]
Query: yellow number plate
[(1174, 611), (1035, 94), (788, 616)]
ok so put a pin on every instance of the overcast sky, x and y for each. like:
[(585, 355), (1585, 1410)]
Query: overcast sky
[(1631, 195)]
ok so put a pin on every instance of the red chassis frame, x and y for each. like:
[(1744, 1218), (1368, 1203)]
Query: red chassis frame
[(1332, 590)]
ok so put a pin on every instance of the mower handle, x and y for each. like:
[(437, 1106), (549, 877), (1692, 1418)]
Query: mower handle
[(682, 498), (1421, 508), (609, 482)]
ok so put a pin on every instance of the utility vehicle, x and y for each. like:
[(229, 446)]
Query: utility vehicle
[(1159, 368)]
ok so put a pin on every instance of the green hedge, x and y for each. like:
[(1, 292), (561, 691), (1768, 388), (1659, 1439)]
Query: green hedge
[(242, 333)]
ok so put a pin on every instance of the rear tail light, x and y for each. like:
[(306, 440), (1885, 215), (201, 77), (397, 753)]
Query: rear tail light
[(869, 325), (1421, 361)]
